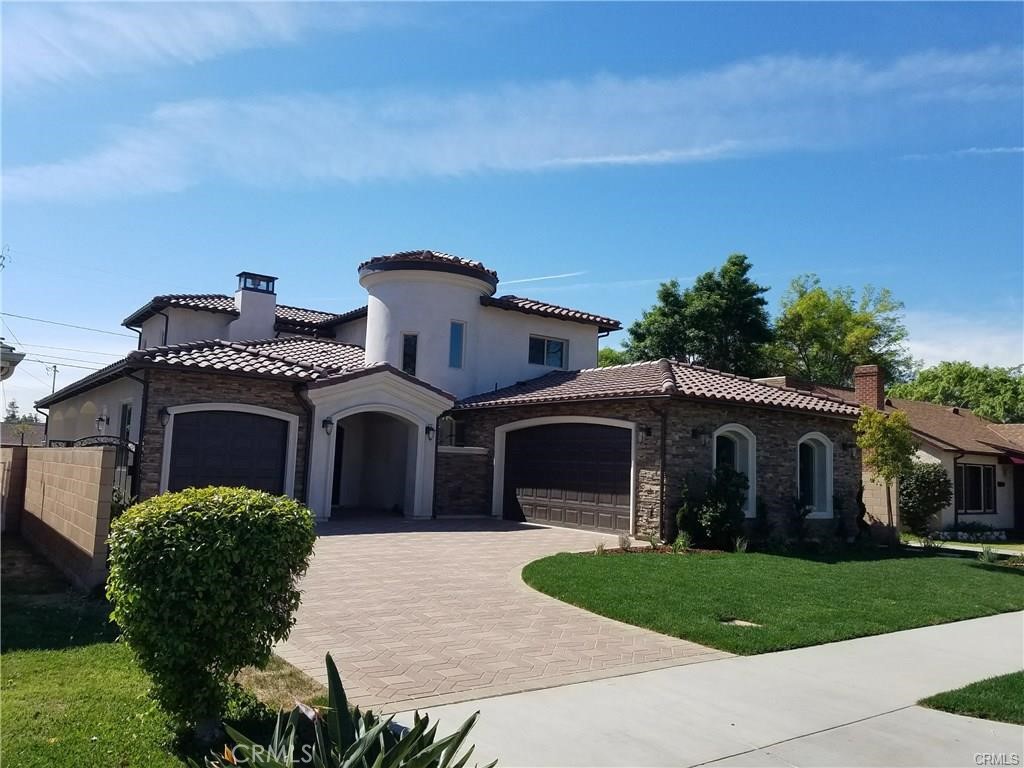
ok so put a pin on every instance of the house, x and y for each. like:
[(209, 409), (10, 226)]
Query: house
[(984, 460), (440, 397)]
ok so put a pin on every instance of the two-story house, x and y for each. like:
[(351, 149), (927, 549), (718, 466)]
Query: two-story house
[(439, 397)]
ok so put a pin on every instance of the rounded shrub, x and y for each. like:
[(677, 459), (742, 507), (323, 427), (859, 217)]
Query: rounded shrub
[(925, 490), (203, 582)]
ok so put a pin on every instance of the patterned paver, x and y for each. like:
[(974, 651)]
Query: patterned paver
[(434, 612)]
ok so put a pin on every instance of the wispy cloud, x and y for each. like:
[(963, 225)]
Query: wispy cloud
[(52, 43), (979, 338), (968, 152), (543, 277), (756, 106)]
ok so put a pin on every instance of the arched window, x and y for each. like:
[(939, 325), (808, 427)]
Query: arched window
[(814, 473), (735, 446)]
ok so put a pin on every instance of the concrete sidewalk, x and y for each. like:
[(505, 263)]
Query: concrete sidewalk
[(848, 703)]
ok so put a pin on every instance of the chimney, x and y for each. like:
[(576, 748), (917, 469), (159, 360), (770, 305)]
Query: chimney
[(256, 304), (869, 386)]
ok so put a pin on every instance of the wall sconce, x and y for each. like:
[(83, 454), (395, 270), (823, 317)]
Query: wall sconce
[(101, 423), (328, 426), (700, 432), (644, 432), (851, 449), (164, 415), (430, 432)]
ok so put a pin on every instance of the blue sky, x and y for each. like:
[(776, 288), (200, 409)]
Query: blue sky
[(156, 148)]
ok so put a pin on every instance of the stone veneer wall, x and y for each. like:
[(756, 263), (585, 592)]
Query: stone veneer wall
[(67, 509), (777, 432), (169, 388)]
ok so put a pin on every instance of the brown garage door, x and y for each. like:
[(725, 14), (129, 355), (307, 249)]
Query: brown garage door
[(569, 474), (228, 448)]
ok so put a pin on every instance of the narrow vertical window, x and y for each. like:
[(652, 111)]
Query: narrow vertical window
[(409, 341), (456, 344)]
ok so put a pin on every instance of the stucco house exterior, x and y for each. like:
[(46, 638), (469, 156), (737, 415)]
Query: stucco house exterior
[(440, 397)]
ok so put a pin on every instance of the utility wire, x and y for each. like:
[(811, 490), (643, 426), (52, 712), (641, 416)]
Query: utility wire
[(100, 363), (68, 349), (26, 370), (61, 363), (66, 325)]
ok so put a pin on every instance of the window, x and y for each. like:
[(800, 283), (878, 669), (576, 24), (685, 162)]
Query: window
[(735, 446), (975, 489), (545, 351), (409, 341), (814, 474), (456, 344)]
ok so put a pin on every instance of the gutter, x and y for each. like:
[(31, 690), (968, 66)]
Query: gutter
[(46, 424), (307, 406)]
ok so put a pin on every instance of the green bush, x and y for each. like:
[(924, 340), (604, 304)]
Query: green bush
[(925, 490), (716, 518), (203, 583)]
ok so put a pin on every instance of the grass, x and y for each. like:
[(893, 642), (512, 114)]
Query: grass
[(797, 601), (998, 698), (73, 695), (1012, 545)]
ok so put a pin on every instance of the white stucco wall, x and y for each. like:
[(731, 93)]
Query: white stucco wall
[(75, 417), (352, 332), (1003, 517), (256, 316), (184, 325)]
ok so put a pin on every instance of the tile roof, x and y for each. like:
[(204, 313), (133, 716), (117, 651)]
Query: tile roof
[(534, 307), (288, 316), (431, 257), (659, 378), (958, 429)]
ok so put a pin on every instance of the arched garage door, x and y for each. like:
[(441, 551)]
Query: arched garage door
[(569, 474), (228, 448)]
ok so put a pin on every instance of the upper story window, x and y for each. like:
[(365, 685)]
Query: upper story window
[(409, 343), (814, 473), (546, 351), (975, 489), (456, 344)]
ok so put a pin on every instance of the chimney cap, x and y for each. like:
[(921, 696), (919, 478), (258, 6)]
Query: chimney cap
[(254, 281)]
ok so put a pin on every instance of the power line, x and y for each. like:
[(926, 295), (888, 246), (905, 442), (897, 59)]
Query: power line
[(26, 370), (8, 327), (60, 363), (100, 363), (66, 325), (68, 349)]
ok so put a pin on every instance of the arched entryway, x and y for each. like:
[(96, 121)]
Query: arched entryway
[(373, 469)]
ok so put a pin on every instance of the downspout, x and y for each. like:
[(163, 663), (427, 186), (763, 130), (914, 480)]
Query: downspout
[(956, 509), (302, 396), (140, 445), (46, 425), (166, 319)]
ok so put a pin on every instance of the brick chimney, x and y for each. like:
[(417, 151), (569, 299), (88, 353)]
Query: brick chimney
[(869, 386)]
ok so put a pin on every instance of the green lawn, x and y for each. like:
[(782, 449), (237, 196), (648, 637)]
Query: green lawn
[(72, 695), (998, 698), (797, 601)]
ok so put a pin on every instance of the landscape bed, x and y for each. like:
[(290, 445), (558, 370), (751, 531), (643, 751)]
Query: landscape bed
[(793, 601)]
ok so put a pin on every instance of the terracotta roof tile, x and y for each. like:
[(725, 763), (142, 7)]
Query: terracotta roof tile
[(433, 257), (286, 315), (534, 307), (652, 379)]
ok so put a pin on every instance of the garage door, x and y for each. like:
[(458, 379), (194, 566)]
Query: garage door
[(228, 448), (569, 474)]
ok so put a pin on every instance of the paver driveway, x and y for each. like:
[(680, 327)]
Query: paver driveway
[(434, 612)]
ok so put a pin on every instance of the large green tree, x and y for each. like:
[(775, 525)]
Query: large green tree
[(721, 321), (994, 393), (822, 335), (610, 356), (887, 444)]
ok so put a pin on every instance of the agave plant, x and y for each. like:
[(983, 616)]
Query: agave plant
[(344, 738)]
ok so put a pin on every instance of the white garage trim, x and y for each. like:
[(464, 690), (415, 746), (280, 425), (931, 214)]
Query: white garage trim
[(290, 447), (498, 486)]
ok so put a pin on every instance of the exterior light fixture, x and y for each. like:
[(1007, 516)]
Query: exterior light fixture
[(101, 423), (328, 426), (164, 415), (643, 432), (430, 432)]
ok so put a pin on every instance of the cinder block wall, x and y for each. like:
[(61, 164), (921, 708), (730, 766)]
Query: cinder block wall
[(12, 480), (67, 509)]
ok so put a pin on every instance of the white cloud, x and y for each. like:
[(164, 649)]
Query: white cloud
[(762, 105), (968, 152), (53, 43), (543, 277), (982, 339)]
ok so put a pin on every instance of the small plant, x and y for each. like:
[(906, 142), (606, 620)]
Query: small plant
[(203, 582), (625, 542), (119, 502), (928, 542), (599, 548), (798, 519), (654, 541), (987, 555), (681, 543), (740, 545)]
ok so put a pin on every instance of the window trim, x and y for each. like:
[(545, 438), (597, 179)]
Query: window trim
[(960, 467), (565, 352), (827, 447), (462, 345), (750, 511), (415, 355)]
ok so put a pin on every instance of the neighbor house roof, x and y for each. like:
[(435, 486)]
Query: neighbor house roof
[(288, 318), (22, 433), (428, 258), (659, 378), (1012, 432), (534, 307)]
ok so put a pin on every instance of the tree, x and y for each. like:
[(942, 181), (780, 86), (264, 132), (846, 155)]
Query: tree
[(925, 490), (608, 356), (994, 393), (823, 336), (12, 409), (721, 321), (888, 448)]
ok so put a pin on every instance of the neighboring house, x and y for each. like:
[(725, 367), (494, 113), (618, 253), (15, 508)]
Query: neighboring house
[(22, 433), (984, 460), (439, 398)]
